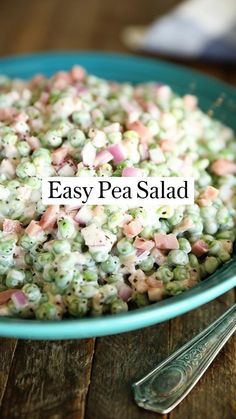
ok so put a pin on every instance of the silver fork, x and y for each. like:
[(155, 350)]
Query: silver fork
[(167, 385)]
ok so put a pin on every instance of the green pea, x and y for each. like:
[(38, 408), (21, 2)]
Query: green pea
[(33, 182), (25, 169), (193, 260), (164, 273), (88, 290), (15, 278), (44, 258), (81, 118), (177, 257), (78, 307), (52, 138), (184, 245), (147, 232), (214, 248), (224, 256), (47, 311), (124, 247), (23, 148), (61, 246), (111, 264), (27, 242), (210, 227), (66, 228), (176, 218), (141, 300), (76, 137), (66, 261), (211, 264), (7, 247), (63, 278), (119, 306), (48, 273), (44, 154), (147, 264), (173, 288), (90, 276), (180, 273), (32, 292)]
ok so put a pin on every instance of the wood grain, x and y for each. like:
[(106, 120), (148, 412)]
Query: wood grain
[(121, 360), (118, 362), (7, 350), (214, 395), (48, 379)]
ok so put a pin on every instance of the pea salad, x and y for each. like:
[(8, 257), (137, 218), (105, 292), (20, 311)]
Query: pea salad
[(61, 261)]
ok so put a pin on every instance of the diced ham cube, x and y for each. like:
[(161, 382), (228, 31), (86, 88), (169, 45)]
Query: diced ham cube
[(59, 155), (33, 142), (11, 226), (49, 218), (133, 228), (143, 244), (144, 133), (5, 296), (124, 291), (223, 167), (33, 229), (166, 241), (199, 248), (209, 195), (167, 145)]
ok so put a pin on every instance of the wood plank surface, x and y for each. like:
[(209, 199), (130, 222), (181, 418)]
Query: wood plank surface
[(51, 379), (48, 379), (7, 351)]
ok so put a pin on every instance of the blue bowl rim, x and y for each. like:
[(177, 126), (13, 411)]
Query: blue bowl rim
[(201, 294)]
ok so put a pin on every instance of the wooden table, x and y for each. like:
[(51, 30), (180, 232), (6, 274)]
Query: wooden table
[(91, 378)]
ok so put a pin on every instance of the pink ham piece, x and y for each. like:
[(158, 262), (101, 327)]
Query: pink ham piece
[(78, 73), (133, 228), (103, 157), (159, 256), (199, 248), (223, 167), (33, 229), (118, 152), (84, 215), (59, 155), (11, 226), (153, 282), (143, 132), (33, 142), (124, 291), (209, 195), (5, 296), (143, 244), (184, 225), (190, 103), (131, 172), (166, 241), (167, 145), (49, 218)]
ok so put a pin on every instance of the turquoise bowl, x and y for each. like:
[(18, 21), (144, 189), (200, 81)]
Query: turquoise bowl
[(131, 69)]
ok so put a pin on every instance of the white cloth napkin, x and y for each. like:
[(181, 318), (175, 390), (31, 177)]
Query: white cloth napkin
[(196, 28)]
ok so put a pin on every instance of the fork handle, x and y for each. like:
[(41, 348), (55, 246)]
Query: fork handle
[(167, 385)]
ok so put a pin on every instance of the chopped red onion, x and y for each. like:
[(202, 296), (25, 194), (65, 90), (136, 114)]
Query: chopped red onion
[(118, 152), (103, 157), (131, 172), (19, 299)]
